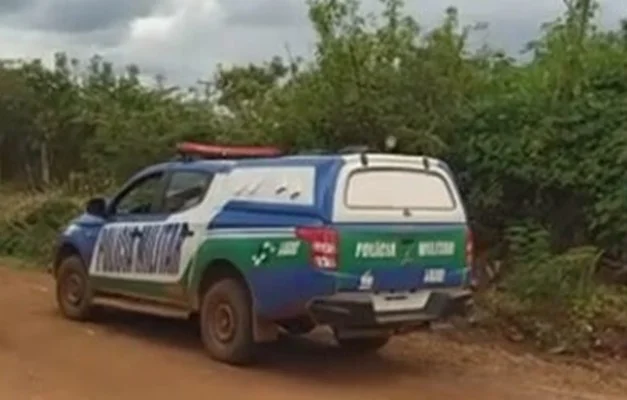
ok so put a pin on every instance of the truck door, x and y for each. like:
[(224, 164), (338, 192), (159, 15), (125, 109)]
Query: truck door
[(186, 204), (115, 256)]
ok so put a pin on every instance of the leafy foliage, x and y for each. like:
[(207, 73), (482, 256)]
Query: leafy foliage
[(555, 299), (30, 229)]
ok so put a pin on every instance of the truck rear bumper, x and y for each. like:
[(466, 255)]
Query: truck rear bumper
[(388, 311)]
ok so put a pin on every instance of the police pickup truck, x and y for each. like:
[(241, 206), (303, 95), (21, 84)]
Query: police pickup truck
[(252, 242)]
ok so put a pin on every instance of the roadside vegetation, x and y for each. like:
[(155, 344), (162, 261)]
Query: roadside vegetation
[(539, 147)]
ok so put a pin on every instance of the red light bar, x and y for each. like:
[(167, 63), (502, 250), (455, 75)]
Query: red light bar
[(212, 151)]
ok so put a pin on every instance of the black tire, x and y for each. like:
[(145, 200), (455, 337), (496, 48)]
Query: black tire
[(226, 322), (363, 345), (73, 289)]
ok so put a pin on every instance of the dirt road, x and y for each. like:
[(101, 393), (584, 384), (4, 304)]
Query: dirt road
[(126, 356)]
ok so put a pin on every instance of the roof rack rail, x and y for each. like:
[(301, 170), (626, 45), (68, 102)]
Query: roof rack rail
[(194, 150)]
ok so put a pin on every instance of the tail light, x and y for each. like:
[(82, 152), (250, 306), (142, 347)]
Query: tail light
[(323, 245)]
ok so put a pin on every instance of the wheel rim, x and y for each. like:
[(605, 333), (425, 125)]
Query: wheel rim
[(74, 289), (223, 322)]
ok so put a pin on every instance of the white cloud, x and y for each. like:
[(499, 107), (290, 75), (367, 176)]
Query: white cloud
[(185, 39)]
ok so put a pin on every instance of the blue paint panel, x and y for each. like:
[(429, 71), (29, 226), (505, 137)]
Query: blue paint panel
[(326, 180), (283, 292), (82, 239), (262, 208), (246, 218), (399, 278), (83, 236)]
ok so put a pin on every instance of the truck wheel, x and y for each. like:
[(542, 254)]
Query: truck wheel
[(73, 289), (362, 345), (226, 322)]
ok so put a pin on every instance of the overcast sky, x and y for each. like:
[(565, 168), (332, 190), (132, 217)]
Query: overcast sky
[(185, 39)]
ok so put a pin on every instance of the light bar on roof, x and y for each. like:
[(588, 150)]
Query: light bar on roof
[(214, 151)]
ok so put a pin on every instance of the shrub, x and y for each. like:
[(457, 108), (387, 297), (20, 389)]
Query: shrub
[(555, 299), (29, 224)]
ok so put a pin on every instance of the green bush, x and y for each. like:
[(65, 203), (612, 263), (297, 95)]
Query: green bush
[(555, 299), (29, 229)]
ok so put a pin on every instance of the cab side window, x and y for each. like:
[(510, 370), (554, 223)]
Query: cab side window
[(140, 197), (186, 189)]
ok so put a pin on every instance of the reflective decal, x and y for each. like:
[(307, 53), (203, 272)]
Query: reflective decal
[(153, 249)]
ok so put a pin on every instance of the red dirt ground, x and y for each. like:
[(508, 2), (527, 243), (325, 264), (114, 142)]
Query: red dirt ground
[(128, 356)]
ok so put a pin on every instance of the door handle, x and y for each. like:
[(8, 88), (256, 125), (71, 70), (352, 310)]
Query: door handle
[(186, 232)]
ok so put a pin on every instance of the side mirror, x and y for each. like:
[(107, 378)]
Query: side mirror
[(97, 207)]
